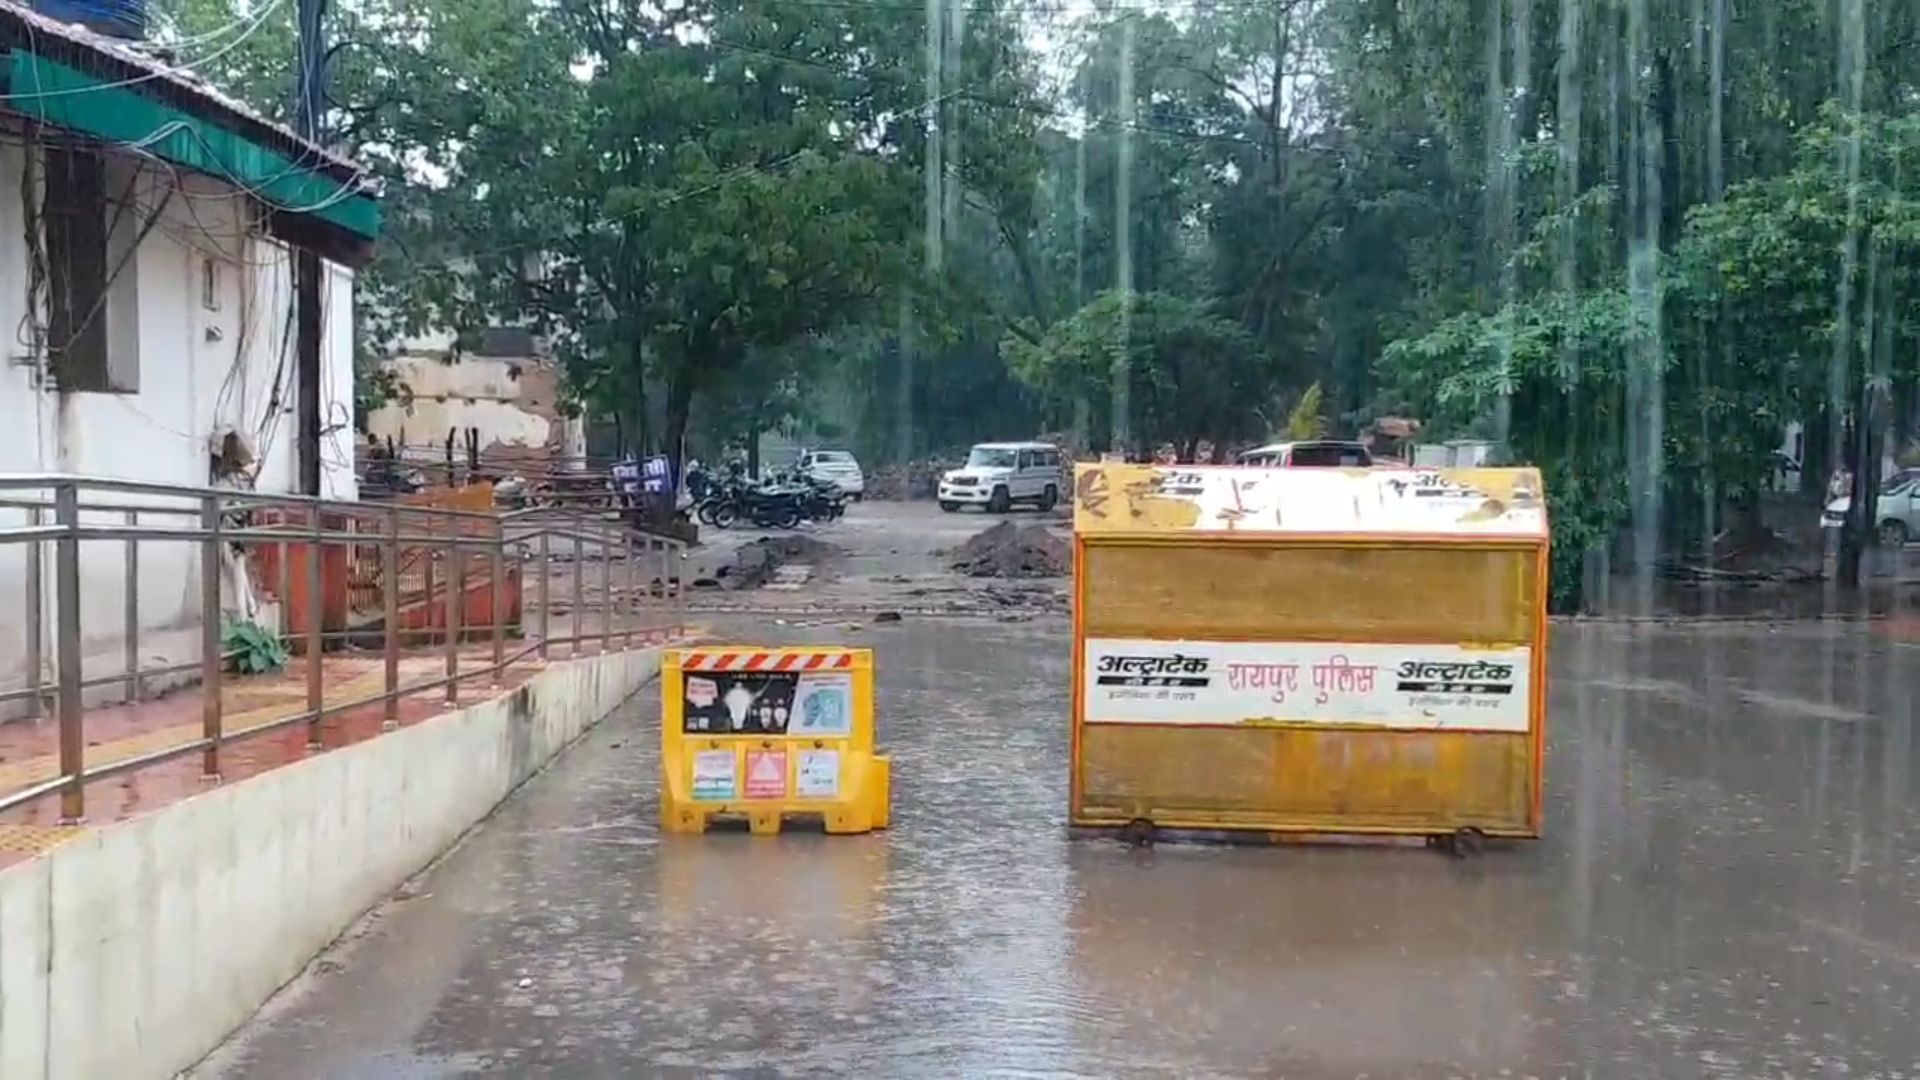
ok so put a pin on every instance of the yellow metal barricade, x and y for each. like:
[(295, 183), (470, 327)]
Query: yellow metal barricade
[(768, 735), (1335, 651)]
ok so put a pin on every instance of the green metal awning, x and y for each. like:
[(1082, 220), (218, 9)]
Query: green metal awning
[(114, 112)]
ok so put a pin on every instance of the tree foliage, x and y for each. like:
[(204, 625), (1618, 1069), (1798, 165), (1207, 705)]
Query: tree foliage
[(1633, 242), (1187, 372)]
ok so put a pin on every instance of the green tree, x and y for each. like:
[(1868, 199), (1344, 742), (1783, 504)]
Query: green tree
[(1191, 375)]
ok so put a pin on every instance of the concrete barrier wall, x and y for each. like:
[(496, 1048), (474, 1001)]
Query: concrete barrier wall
[(133, 951)]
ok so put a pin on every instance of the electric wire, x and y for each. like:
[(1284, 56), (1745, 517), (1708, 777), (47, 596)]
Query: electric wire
[(162, 72)]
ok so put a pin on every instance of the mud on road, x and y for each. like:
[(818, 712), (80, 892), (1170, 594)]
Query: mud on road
[(889, 558)]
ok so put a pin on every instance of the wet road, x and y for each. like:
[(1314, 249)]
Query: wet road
[(1729, 888)]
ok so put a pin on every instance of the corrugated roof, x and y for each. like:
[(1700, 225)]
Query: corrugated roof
[(145, 65)]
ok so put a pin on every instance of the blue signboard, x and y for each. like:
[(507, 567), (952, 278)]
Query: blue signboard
[(656, 475)]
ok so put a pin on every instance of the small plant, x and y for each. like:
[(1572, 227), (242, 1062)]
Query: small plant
[(1306, 422), (252, 649)]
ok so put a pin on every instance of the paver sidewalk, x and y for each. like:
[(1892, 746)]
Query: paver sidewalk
[(247, 709), (29, 751)]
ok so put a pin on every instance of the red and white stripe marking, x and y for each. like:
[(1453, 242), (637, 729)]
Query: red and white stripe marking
[(760, 661)]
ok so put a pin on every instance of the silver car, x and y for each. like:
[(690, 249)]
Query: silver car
[(1898, 509), (836, 467)]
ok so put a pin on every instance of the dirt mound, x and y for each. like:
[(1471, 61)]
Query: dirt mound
[(756, 562), (1013, 551), (919, 480)]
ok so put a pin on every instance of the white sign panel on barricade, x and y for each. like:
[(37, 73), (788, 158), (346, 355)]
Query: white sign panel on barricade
[(714, 775), (1409, 687), (1349, 501), (819, 774)]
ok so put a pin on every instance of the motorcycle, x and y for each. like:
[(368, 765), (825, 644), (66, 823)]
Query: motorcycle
[(822, 501), (764, 507), (711, 497)]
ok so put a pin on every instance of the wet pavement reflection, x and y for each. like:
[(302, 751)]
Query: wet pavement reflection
[(1728, 888)]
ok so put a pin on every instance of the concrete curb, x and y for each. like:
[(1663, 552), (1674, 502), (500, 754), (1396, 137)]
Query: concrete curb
[(134, 950)]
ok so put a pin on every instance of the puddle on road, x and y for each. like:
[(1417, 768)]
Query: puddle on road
[(975, 939)]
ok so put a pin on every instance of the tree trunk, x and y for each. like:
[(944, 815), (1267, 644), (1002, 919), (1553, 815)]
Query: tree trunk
[(1900, 418), (673, 437), (1869, 435), (1856, 535), (1816, 464), (1853, 543), (640, 424)]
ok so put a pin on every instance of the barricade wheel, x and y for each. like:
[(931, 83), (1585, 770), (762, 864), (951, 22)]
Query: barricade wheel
[(1138, 833), (1468, 843)]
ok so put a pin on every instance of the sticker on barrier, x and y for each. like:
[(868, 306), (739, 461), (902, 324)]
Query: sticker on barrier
[(768, 702), (823, 706), (713, 774), (769, 735), (766, 774), (819, 774)]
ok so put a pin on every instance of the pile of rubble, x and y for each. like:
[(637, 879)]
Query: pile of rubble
[(1013, 551), (1018, 601), (758, 562), (887, 484), (917, 480)]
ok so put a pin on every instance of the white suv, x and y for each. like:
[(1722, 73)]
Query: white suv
[(997, 475), (835, 467)]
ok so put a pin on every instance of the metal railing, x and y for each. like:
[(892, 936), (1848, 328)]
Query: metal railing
[(343, 573)]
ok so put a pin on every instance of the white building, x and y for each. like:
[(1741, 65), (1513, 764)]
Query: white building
[(197, 340), (146, 230)]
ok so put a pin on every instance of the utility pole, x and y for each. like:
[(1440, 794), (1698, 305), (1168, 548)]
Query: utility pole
[(1120, 427), (307, 270)]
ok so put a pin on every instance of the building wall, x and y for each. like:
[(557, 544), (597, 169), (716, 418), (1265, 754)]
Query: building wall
[(213, 352), (513, 401)]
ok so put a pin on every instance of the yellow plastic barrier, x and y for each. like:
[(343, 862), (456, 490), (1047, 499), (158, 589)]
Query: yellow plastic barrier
[(768, 735)]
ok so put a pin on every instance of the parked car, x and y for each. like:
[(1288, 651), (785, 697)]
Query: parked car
[(1898, 508), (997, 475), (1309, 454), (836, 467)]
